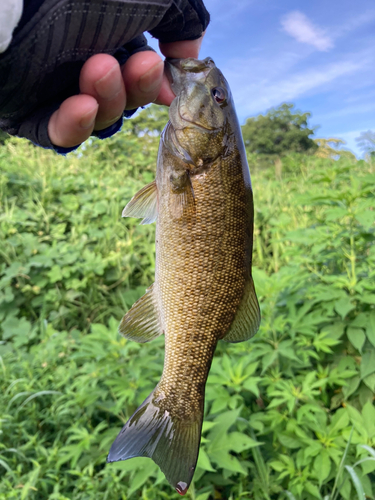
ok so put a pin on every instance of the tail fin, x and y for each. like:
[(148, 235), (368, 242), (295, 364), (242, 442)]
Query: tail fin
[(173, 444)]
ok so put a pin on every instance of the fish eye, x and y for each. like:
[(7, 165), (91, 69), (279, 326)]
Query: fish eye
[(218, 94)]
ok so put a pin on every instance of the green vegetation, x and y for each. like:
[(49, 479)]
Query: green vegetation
[(289, 414), (279, 132)]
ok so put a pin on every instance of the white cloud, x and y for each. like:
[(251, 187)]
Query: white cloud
[(358, 109), (265, 90), (300, 27), (302, 82), (353, 23)]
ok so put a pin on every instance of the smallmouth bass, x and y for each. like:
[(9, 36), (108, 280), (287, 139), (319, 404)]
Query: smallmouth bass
[(203, 291)]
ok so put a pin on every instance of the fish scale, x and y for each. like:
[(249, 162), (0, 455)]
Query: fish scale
[(203, 292)]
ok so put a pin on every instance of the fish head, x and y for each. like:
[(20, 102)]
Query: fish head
[(202, 114)]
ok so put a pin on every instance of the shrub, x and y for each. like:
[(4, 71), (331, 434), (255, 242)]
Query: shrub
[(285, 412)]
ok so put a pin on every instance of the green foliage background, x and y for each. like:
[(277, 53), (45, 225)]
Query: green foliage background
[(278, 132), (284, 412)]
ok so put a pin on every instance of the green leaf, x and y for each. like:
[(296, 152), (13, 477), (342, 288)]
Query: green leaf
[(17, 329), (204, 462), (344, 306), (322, 466), (6, 466), (370, 329), (226, 461), (251, 384), (207, 426), (55, 274), (370, 381), (223, 423), (352, 386), (356, 336), (37, 395), (287, 349), (203, 496), (220, 404), (367, 363), (240, 442), (134, 464), (367, 298), (289, 441), (276, 402), (141, 477), (340, 420), (268, 359), (290, 495), (322, 342), (355, 416), (370, 450), (312, 489), (346, 489), (357, 483), (277, 465)]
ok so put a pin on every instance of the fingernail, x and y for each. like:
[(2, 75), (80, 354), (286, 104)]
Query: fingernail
[(110, 85), (151, 80), (88, 120)]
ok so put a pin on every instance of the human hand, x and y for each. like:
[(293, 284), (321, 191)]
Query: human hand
[(107, 89)]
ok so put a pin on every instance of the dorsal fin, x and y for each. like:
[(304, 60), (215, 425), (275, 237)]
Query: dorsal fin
[(142, 322), (247, 319), (144, 204)]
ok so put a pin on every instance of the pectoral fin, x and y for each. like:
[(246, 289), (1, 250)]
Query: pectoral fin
[(142, 323), (144, 204), (182, 199), (247, 319)]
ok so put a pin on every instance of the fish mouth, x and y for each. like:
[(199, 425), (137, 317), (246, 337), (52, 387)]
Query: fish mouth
[(176, 71)]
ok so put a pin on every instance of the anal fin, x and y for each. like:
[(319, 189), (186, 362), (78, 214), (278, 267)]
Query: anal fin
[(144, 204), (247, 319), (142, 322)]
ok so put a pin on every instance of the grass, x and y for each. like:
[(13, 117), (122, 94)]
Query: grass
[(288, 414)]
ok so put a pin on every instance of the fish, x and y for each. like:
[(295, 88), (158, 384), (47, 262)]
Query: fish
[(202, 202)]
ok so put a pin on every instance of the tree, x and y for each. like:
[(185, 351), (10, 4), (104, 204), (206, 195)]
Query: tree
[(329, 148), (280, 131), (366, 141)]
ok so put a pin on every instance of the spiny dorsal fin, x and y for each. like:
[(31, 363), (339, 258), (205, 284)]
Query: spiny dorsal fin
[(142, 323), (247, 319), (144, 204)]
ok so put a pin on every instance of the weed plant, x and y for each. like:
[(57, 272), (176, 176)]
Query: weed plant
[(289, 414)]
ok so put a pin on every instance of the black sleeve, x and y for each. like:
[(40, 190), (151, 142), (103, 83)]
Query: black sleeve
[(41, 67)]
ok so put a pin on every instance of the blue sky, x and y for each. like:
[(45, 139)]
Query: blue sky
[(319, 55)]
